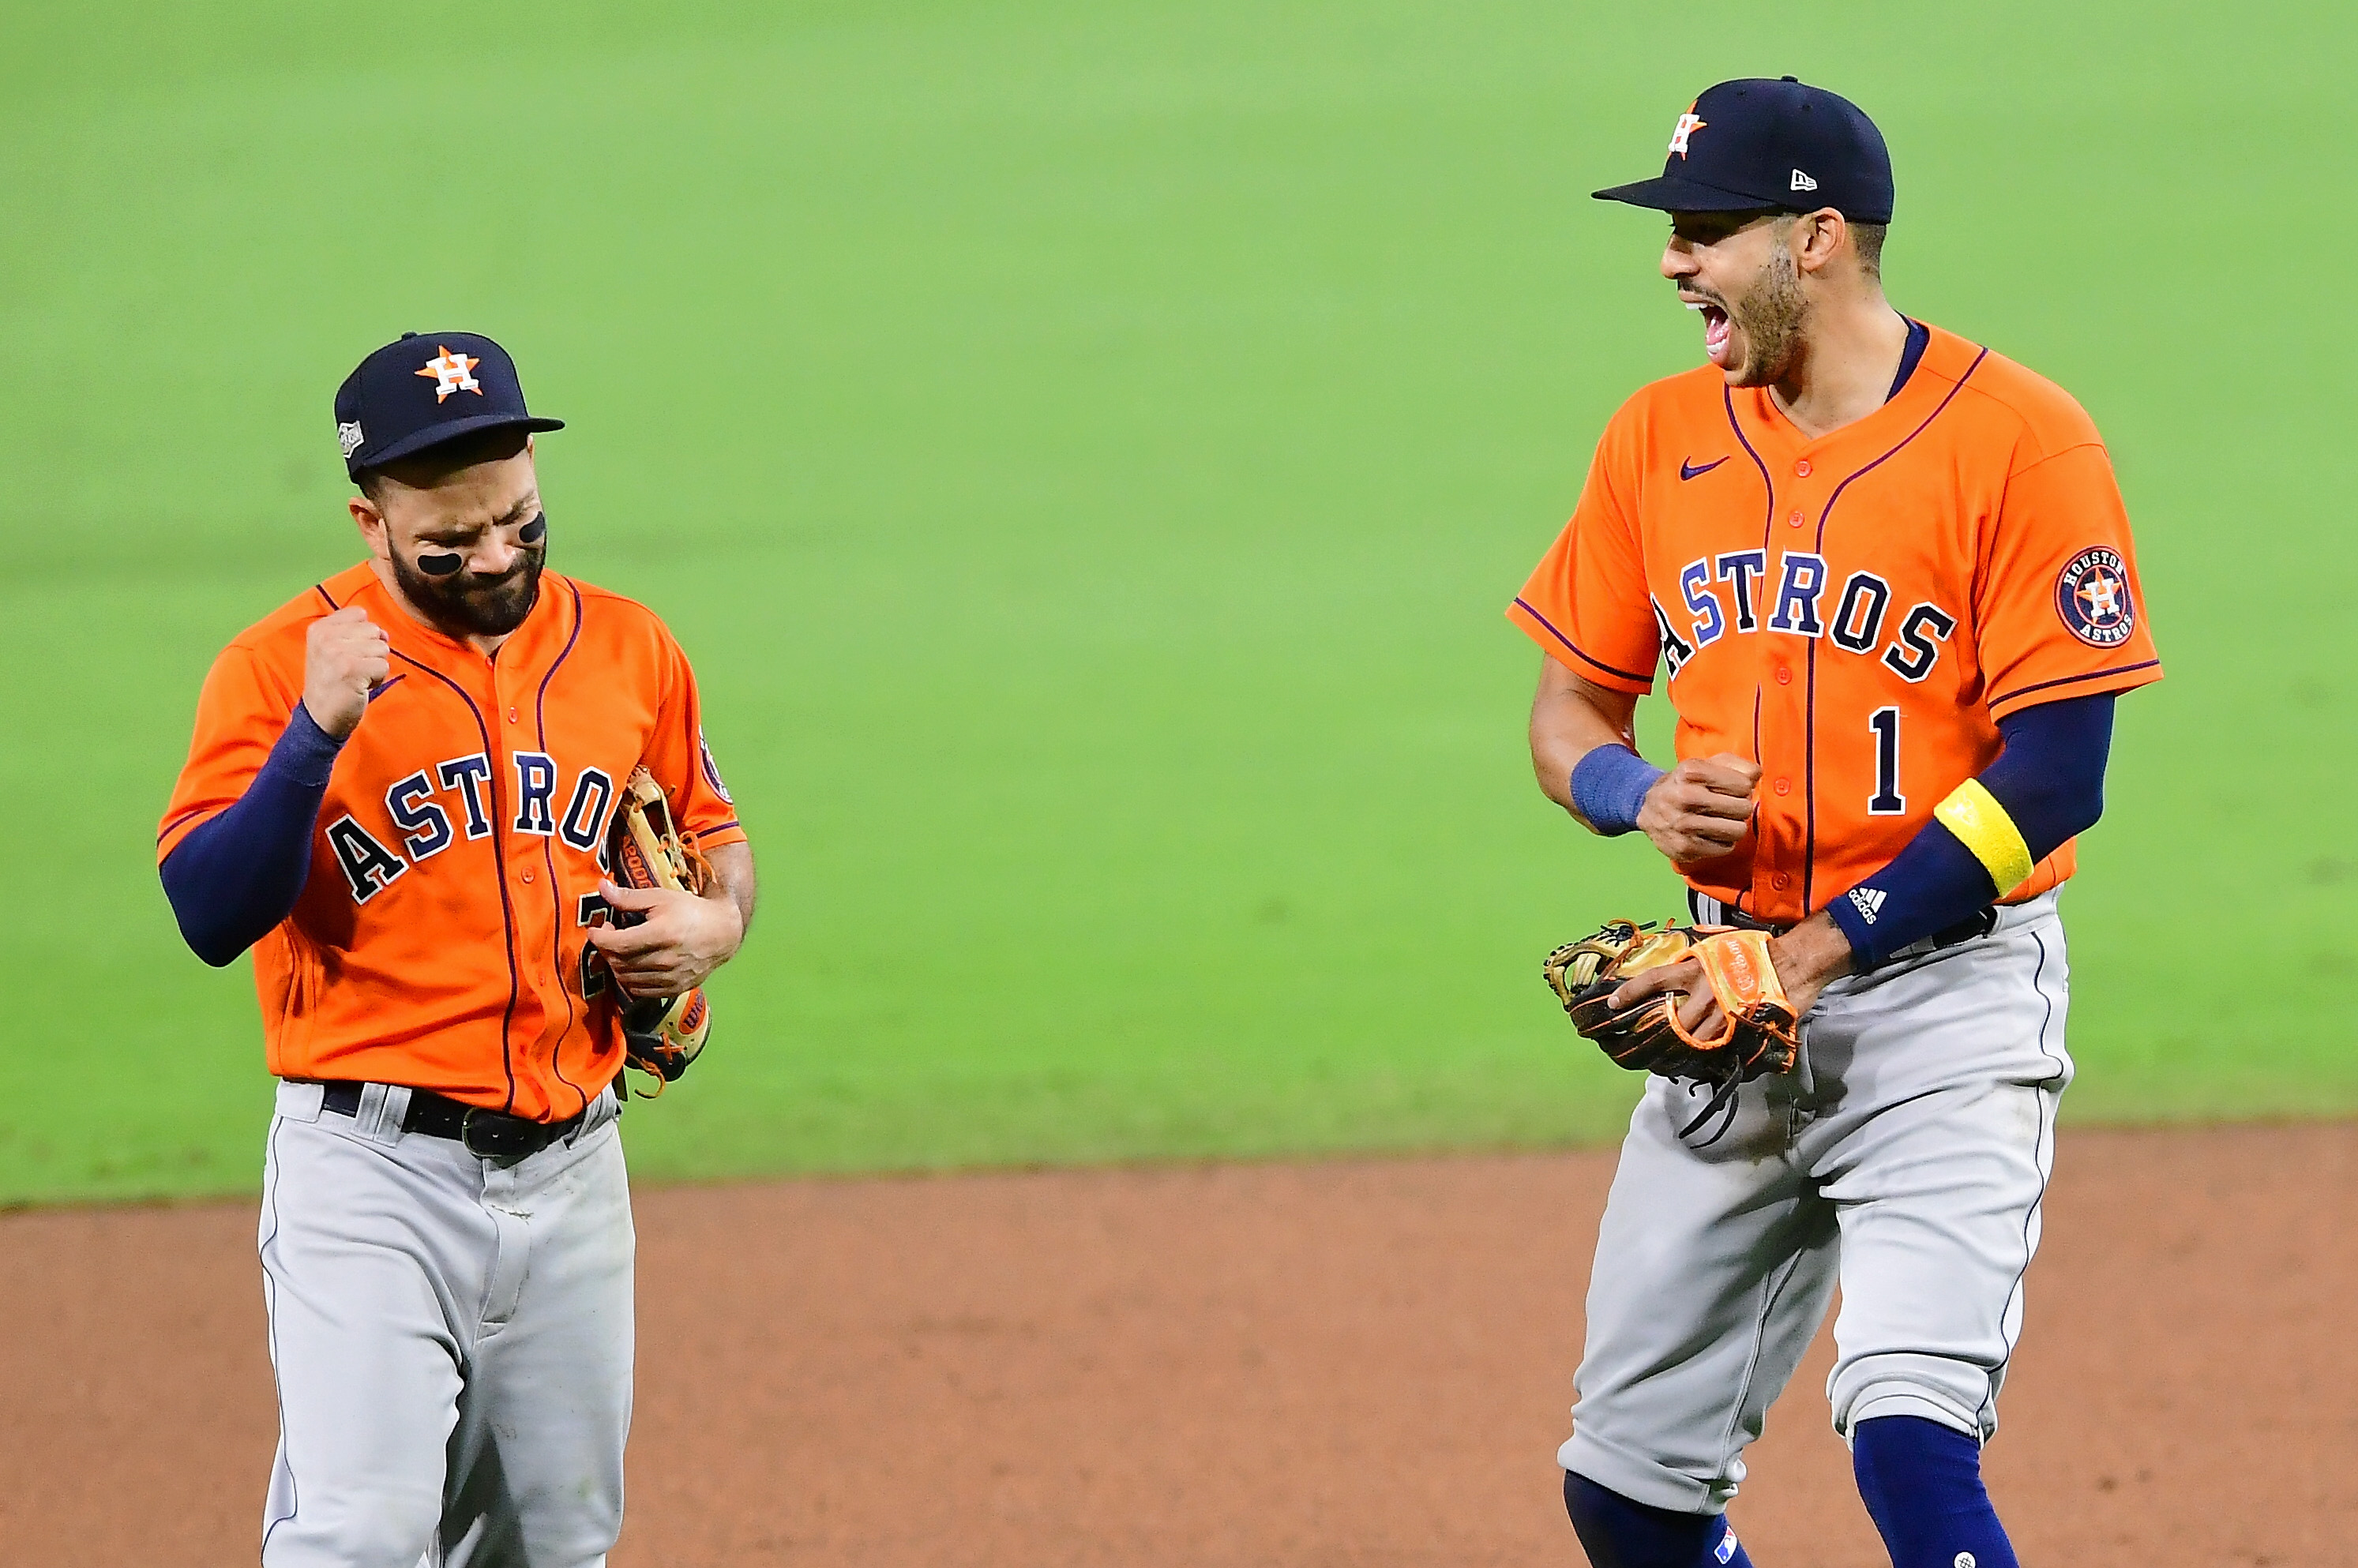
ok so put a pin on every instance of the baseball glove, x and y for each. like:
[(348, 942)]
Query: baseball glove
[(644, 850), (1759, 1032)]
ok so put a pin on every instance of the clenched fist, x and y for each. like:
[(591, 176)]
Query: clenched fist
[(344, 655), (1701, 808)]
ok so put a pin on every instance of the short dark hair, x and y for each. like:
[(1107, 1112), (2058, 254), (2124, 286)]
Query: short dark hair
[(443, 458), (1868, 239)]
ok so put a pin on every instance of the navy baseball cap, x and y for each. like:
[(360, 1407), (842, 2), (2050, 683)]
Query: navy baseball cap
[(424, 389), (1755, 142)]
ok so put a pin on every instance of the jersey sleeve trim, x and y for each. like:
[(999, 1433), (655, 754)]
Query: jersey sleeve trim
[(186, 819), (2005, 703), (1612, 676)]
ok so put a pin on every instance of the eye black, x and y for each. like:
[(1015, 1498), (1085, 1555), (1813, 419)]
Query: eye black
[(532, 531)]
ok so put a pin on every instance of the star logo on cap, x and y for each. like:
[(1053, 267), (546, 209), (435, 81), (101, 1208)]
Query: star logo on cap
[(452, 373), (1688, 125)]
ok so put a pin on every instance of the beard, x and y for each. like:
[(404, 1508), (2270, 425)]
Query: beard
[(466, 605), (1771, 318)]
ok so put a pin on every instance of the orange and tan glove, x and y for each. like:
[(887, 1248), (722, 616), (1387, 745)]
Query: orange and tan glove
[(1759, 1032)]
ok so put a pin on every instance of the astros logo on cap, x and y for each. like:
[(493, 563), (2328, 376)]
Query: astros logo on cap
[(452, 373), (1688, 126), (2093, 597)]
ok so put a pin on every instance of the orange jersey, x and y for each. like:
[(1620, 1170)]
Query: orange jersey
[(440, 941), (1855, 612)]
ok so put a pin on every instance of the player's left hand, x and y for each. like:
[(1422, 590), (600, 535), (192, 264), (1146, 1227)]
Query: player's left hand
[(1701, 1008), (1808, 958), (682, 940)]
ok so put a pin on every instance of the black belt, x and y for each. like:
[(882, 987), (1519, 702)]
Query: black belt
[(487, 1134), (1981, 923)]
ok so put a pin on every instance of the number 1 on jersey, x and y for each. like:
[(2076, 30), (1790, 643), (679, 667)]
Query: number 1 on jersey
[(1887, 801)]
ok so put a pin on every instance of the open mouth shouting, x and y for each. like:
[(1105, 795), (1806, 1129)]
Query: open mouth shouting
[(1717, 329)]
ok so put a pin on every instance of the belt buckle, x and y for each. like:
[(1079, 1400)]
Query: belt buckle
[(499, 1139)]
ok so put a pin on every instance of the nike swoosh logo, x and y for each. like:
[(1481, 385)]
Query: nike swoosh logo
[(1691, 470)]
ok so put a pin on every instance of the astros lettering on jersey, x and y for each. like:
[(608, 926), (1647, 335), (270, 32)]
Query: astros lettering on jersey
[(440, 940), (1855, 612)]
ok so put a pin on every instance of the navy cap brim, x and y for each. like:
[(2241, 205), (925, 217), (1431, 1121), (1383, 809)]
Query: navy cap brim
[(1674, 193), (437, 434)]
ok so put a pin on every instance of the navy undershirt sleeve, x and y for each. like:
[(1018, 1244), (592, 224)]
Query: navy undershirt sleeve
[(2050, 779), (238, 874)]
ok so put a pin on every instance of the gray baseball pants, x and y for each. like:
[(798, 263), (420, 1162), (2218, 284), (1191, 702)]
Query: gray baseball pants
[(1904, 1158), (453, 1337)]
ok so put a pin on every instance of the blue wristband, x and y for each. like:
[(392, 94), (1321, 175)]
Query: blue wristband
[(1608, 788)]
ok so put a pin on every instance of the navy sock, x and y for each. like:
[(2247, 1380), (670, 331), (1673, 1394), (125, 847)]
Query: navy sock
[(1619, 1533), (1922, 1483)]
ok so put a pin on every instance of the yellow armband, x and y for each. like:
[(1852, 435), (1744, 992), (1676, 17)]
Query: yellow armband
[(1973, 815)]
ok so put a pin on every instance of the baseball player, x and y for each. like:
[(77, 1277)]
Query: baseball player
[(398, 797), (1890, 580)]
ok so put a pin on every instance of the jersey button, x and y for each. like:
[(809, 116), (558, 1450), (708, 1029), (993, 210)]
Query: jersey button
[(528, 875), (1794, 518), (1784, 675), (1780, 881), (1784, 786), (512, 716), (1801, 469)]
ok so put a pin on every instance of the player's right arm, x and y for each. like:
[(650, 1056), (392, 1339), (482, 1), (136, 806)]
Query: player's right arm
[(1587, 607), (237, 843), (1585, 753)]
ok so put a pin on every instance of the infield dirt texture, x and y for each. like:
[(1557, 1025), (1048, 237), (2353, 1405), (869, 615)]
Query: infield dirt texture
[(1358, 1363)]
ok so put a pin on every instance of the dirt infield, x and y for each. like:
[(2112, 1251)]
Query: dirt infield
[(1353, 1363)]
